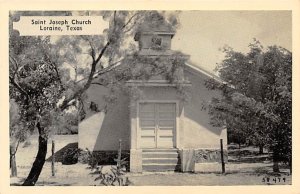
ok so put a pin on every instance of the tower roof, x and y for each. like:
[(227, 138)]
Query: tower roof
[(161, 28)]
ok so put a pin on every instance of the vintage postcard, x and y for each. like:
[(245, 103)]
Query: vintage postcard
[(110, 95)]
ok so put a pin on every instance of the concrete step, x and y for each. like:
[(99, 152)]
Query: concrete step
[(160, 160), (160, 150), (160, 155), (160, 167)]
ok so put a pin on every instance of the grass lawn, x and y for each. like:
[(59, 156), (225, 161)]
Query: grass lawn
[(253, 170)]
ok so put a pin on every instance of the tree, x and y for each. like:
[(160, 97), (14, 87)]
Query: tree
[(257, 98), (16, 134), (47, 79), (236, 136)]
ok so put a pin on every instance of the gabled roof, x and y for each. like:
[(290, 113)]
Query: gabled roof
[(153, 52), (196, 69), (190, 67), (201, 71)]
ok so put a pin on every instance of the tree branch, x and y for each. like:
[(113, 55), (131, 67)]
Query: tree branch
[(97, 83), (56, 71), (64, 105), (16, 149), (129, 20), (53, 64), (96, 60), (93, 53), (101, 53), (13, 60), (103, 71), (12, 81)]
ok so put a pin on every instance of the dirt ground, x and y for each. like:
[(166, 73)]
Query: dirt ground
[(257, 171)]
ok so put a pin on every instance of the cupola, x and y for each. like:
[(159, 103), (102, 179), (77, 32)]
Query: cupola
[(155, 38)]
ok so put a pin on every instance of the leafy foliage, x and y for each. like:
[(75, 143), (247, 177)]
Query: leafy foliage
[(257, 97), (16, 131), (16, 134), (145, 68), (49, 76), (70, 156), (89, 158), (113, 178)]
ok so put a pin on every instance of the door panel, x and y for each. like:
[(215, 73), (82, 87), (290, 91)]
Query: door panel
[(148, 142), (166, 123), (166, 107), (147, 123), (166, 115), (147, 107), (166, 132), (157, 125), (147, 115), (148, 132), (166, 142)]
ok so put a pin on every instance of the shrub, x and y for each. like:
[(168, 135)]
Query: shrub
[(114, 177), (91, 159), (70, 156)]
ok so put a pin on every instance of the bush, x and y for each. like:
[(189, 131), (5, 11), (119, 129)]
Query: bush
[(87, 157), (114, 177), (70, 156)]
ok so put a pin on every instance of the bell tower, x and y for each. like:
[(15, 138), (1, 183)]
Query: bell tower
[(155, 39)]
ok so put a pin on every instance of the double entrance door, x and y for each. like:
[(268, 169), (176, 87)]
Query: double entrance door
[(157, 125)]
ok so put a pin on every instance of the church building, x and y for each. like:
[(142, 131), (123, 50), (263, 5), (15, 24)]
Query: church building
[(159, 131)]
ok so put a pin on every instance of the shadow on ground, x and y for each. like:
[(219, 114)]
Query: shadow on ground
[(43, 184), (247, 156), (59, 154)]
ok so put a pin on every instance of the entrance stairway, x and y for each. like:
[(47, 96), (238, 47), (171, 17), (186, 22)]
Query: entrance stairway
[(161, 160)]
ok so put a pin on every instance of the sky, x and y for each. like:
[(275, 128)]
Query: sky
[(202, 33)]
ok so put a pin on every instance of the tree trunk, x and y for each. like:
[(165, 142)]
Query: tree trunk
[(261, 149), (275, 161), (290, 165), (13, 165), (275, 166), (39, 162), (53, 158)]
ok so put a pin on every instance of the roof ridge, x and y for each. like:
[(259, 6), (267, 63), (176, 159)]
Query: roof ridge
[(208, 74), (201, 70)]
